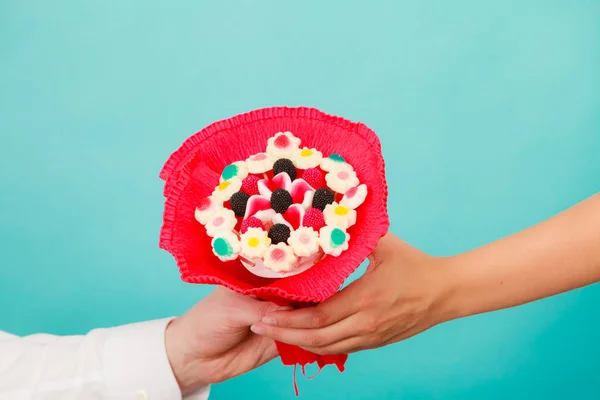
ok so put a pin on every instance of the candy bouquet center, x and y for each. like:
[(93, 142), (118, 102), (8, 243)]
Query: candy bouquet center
[(282, 210), (280, 203)]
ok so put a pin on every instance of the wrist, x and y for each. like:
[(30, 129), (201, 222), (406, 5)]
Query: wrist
[(452, 291), (186, 368)]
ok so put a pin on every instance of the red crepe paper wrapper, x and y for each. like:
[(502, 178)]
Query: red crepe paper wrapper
[(191, 173)]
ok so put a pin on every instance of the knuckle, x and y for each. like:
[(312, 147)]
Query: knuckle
[(367, 330), (313, 340), (265, 309), (365, 301), (283, 320), (369, 326), (318, 319)]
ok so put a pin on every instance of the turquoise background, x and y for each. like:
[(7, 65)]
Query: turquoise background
[(489, 114)]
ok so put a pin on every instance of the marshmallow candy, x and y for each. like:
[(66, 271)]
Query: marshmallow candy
[(238, 169), (355, 196), (334, 161), (221, 221), (254, 242), (304, 241), (341, 180), (339, 216), (206, 208), (282, 145), (280, 258), (333, 240), (259, 163), (226, 246), (307, 158), (227, 188)]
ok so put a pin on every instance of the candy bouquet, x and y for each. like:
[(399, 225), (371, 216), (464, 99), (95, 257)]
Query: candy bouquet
[(280, 203)]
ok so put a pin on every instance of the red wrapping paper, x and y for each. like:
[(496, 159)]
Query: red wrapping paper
[(192, 172)]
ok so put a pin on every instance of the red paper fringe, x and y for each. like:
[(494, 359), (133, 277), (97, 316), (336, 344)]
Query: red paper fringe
[(192, 172)]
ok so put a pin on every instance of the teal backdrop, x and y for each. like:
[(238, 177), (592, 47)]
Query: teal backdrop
[(489, 115)]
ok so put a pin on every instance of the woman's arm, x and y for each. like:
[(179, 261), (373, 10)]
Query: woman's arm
[(406, 291), (560, 254)]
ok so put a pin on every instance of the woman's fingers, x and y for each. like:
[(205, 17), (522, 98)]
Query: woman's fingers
[(345, 346), (368, 340), (313, 338), (304, 318), (332, 310)]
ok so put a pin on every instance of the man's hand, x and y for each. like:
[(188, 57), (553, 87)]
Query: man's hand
[(212, 342)]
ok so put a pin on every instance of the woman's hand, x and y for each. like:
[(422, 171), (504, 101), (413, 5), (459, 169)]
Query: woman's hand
[(405, 291), (400, 295)]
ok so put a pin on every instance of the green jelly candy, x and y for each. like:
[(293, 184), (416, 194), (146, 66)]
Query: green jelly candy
[(337, 158), (222, 247), (338, 237), (230, 171)]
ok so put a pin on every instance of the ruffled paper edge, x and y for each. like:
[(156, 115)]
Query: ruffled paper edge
[(174, 164), (177, 175)]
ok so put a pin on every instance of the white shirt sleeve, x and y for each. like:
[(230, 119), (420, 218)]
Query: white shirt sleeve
[(124, 363)]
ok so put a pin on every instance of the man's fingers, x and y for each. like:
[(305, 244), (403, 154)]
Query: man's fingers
[(305, 318), (249, 310), (308, 337)]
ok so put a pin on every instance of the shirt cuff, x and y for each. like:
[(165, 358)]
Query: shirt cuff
[(136, 365)]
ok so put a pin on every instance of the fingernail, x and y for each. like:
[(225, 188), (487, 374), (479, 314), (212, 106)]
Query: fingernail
[(257, 329), (286, 308), (268, 321)]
